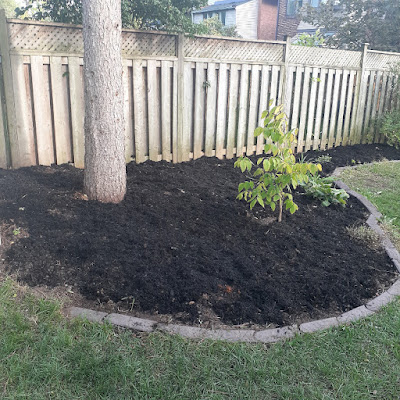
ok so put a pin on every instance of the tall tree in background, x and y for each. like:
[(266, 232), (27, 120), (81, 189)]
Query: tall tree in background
[(105, 169), (170, 15), (355, 22)]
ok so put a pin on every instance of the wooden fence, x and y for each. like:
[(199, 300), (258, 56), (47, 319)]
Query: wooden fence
[(185, 97)]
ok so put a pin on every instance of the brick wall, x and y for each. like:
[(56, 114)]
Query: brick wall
[(287, 26), (267, 19)]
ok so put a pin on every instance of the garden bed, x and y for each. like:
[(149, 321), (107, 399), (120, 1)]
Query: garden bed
[(181, 245)]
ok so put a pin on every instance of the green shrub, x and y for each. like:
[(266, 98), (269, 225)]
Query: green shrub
[(322, 189), (389, 126), (274, 177)]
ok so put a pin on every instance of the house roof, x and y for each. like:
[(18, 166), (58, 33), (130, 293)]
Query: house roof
[(220, 6)]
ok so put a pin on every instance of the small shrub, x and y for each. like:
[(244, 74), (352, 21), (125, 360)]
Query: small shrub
[(323, 190), (274, 176), (324, 159), (389, 126)]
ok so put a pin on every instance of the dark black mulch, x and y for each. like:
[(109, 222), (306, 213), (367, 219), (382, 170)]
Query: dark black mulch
[(180, 241)]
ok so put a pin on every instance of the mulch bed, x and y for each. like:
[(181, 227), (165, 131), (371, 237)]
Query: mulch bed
[(181, 244)]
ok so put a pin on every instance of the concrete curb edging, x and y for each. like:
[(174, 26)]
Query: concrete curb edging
[(267, 335)]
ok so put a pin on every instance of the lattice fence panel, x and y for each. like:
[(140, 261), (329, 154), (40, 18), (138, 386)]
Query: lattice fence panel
[(148, 44), (60, 39), (45, 38), (233, 50), (381, 61), (324, 57)]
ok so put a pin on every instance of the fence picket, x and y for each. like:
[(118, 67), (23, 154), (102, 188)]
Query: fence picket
[(77, 110), (263, 105), (166, 96), (199, 110), (320, 104), (347, 118), (211, 93), (42, 108), (232, 115), (221, 110), (335, 105), (342, 103), (60, 111), (312, 109), (139, 111), (22, 145), (128, 111), (254, 102)]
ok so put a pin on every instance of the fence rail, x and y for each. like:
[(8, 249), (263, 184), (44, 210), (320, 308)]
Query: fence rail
[(185, 97)]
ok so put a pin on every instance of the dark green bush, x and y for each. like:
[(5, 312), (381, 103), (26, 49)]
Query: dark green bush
[(389, 126)]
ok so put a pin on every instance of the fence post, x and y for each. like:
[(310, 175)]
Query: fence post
[(9, 113), (285, 76), (356, 130), (180, 94)]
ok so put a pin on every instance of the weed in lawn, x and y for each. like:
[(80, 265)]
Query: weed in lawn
[(322, 189), (365, 235), (323, 159)]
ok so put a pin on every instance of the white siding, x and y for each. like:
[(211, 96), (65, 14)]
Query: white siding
[(197, 18), (230, 17), (246, 19)]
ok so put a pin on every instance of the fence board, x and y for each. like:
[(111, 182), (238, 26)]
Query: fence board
[(3, 143), (128, 111), (42, 108), (211, 93), (253, 110), (263, 105), (23, 144), (304, 109), (374, 110), (77, 110), (198, 132), (188, 111), (327, 110), (60, 111), (371, 87), (382, 100), (154, 110), (296, 100), (312, 109), (342, 104), (175, 114), (166, 96), (320, 104), (233, 109), (139, 110), (243, 98), (349, 105), (335, 105), (221, 110)]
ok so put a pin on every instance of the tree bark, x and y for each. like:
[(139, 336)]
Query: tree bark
[(105, 168)]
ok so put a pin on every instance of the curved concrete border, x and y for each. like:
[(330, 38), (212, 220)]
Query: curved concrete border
[(266, 335)]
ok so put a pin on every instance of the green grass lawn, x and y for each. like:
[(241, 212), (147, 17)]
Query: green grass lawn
[(380, 183), (44, 356)]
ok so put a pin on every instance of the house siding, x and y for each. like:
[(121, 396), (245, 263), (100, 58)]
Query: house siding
[(230, 18), (267, 19), (287, 26), (247, 19), (197, 18)]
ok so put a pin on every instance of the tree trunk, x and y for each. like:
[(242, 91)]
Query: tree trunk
[(105, 169)]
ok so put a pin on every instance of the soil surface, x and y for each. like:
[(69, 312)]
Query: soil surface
[(180, 244)]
